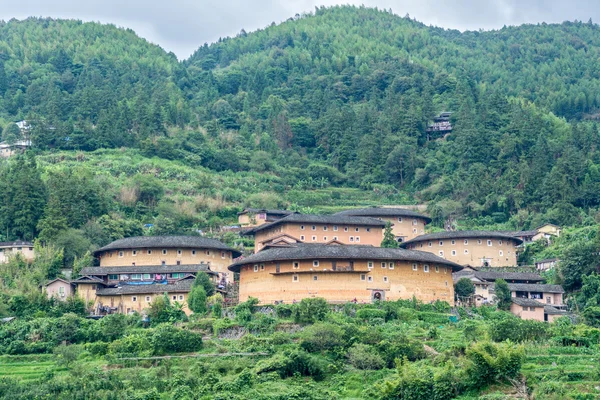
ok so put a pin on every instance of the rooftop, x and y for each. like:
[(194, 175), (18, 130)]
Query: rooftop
[(304, 251), (17, 243), (554, 311), (144, 242), (462, 235), (383, 212), (535, 287), (320, 219), (266, 211), (146, 269), (526, 302), (183, 285), (507, 276)]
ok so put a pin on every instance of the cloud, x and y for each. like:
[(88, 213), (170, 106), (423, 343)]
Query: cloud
[(181, 26)]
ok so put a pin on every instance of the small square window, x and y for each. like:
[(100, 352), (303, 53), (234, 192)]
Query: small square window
[(174, 298), (399, 219), (441, 253), (466, 241), (415, 231), (294, 278), (345, 229), (301, 227), (222, 254), (478, 241), (370, 279), (207, 252), (429, 244), (315, 278), (325, 238), (335, 238), (148, 299), (368, 229), (363, 277), (181, 297), (357, 229), (193, 252), (425, 268), (134, 253), (324, 227), (370, 264), (357, 238), (335, 228), (489, 242), (415, 222), (315, 263), (437, 268), (178, 252), (466, 251), (256, 268), (121, 254), (314, 227), (391, 265), (164, 252), (383, 265), (441, 243), (453, 252), (385, 278), (149, 252), (453, 242), (352, 238), (262, 267), (134, 299), (501, 253), (415, 267), (314, 238), (296, 265), (302, 237)]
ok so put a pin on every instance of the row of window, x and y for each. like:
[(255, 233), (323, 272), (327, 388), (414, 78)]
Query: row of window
[(370, 264), (149, 298), (363, 277), (165, 252), (325, 238), (466, 251), (138, 277), (466, 241), (414, 221), (335, 228), (13, 249)]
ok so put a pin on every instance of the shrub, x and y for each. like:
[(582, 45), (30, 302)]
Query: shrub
[(244, 311), (493, 362), (97, 348), (322, 336), (310, 310), (197, 299), (433, 318), (400, 348), (370, 314), (135, 344), (283, 310), (287, 364), (518, 330), (363, 356), (168, 339)]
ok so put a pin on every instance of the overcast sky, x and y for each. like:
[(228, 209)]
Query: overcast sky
[(181, 26)]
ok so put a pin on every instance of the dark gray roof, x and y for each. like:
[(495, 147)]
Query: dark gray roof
[(146, 269), (507, 276), (18, 243), (179, 286), (304, 251), (462, 235), (266, 211), (526, 302), (535, 287), (87, 279), (554, 311), (185, 242), (320, 219), (522, 233), (547, 260), (383, 212)]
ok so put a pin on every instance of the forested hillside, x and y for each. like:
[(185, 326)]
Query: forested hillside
[(340, 97)]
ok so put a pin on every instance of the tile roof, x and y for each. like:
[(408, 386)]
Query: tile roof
[(320, 219), (383, 212), (303, 251), (18, 243), (526, 302), (266, 211), (147, 269), (462, 235), (507, 276), (535, 287), (554, 311), (140, 242), (179, 286)]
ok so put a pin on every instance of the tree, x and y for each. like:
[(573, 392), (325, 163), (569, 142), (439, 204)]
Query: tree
[(464, 288), (11, 133), (203, 280), (197, 300), (503, 295), (389, 240), (578, 260)]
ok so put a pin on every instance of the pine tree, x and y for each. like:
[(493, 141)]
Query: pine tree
[(389, 240)]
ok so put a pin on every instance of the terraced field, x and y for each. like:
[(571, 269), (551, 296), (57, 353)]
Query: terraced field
[(28, 368)]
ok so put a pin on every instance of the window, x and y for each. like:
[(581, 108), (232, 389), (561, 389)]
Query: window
[(385, 278), (441, 242), (415, 231), (466, 241), (112, 277), (441, 253), (548, 300), (120, 254), (302, 237), (222, 254), (352, 238), (357, 238), (415, 267), (325, 238), (357, 229), (370, 264), (370, 279), (501, 253), (466, 251), (345, 229), (446, 283), (335, 228), (425, 268), (134, 253), (437, 268), (500, 242), (315, 263), (256, 268), (149, 252), (294, 278), (489, 242), (335, 238), (415, 222), (134, 298), (399, 219), (207, 252), (31, 248), (314, 228), (445, 270), (429, 244), (61, 290), (383, 265), (179, 252), (262, 267), (180, 297), (136, 277), (363, 277), (314, 238), (146, 276), (164, 252), (174, 298), (324, 227), (368, 229), (453, 252), (301, 227), (531, 308), (315, 278), (391, 265), (148, 298), (296, 265), (193, 252), (453, 242)]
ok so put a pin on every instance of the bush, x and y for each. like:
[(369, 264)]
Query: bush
[(133, 345), (169, 339), (433, 318), (493, 362), (322, 336), (310, 310), (518, 330), (363, 356), (97, 348), (287, 364), (399, 348), (370, 314)]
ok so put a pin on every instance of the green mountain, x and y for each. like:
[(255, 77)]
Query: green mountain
[(341, 97)]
